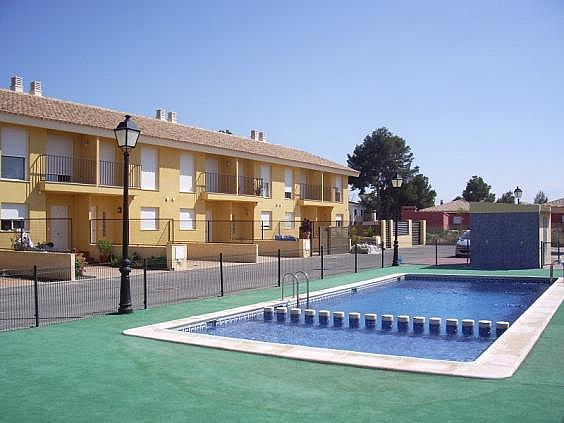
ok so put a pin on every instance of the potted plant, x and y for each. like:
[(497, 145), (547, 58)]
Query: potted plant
[(105, 248)]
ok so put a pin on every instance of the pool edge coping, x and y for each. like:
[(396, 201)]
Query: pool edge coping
[(501, 360)]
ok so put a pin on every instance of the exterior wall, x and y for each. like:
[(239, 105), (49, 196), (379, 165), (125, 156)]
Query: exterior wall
[(438, 221), (238, 253), (39, 196), (505, 239), (287, 248)]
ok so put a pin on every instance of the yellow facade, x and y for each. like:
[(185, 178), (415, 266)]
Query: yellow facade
[(232, 209)]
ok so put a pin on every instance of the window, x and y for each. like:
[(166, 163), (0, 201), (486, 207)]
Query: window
[(266, 219), (265, 175), (186, 219), (12, 216), (13, 144), (186, 172), (339, 220), (457, 220), (148, 217), (288, 183), (289, 220), (148, 168), (338, 188)]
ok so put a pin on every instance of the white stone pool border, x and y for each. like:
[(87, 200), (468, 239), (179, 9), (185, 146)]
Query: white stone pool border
[(500, 360)]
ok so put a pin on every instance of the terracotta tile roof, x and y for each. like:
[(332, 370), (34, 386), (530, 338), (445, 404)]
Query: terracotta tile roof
[(50, 109), (453, 207), (557, 203)]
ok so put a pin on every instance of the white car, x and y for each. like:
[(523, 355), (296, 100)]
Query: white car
[(462, 248)]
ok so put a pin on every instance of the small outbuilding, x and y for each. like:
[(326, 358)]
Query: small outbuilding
[(509, 236)]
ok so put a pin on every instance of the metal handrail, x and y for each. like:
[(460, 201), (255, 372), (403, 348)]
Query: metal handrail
[(295, 284), (306, 276)]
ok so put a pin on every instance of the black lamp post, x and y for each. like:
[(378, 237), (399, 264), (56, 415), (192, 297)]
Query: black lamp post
[(518, 194), (396, 184), (126, 135)]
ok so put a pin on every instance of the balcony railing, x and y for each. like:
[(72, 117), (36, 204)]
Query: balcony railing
[(310, 192), (83, 171), (332, 194), (227, 184)]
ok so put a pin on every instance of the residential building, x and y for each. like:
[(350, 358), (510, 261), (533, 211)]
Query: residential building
[(445, 216), (61, 177)]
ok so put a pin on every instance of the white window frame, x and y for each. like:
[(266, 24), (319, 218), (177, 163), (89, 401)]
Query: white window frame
[(149, 167), (186, 168), (186, 220), (266, 219), (10, 213), (148, 218), (289, 220), (288, 183), (11, 144)]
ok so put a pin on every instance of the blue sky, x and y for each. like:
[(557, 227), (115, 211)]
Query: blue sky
[(474, 87)]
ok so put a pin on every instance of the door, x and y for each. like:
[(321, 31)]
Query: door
[(108, 170), (59, 228), (209, 224), (212, 177), (59, 159)]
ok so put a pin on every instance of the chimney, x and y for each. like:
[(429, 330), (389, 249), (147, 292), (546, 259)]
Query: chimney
[(35, 88), (254, 134), (160, 114), (171, 117), (262, 136), (16, 84)]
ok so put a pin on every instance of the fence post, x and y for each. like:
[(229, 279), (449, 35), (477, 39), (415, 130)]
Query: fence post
[(355, 258), (208, 230), (542, 254), (437, 252), (321, 255), (382, 248), (221, 273), (468, 252), (558, 246), (145, 283), (36, 296), (261, 230), (279, 268), (318, 237)]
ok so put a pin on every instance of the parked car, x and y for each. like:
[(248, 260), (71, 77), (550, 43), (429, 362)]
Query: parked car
[(462, 248)]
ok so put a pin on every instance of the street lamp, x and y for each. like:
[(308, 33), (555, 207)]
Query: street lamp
[(126, 135), (396, 184), (518, 194)]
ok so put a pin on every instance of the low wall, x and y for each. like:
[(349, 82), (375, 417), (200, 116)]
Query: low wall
[(62, 264), (241, 253), (287, 248)]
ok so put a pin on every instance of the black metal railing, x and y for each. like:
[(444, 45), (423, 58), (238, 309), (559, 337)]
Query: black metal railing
[(30, 299), (83, 171), (332, 194), (252, 186)]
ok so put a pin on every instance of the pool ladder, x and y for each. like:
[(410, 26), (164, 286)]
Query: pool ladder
[(296, 286)]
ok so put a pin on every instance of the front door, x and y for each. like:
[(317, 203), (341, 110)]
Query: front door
[(59, 228)]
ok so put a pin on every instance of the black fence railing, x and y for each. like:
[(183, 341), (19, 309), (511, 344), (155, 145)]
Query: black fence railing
[(29, 298), (310, 192), (53, 168)]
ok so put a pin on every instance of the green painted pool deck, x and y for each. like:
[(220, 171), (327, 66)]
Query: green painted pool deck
[(86, 370)]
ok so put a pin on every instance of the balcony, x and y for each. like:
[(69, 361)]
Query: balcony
[(73, 170), (231, 187), (333, 194)]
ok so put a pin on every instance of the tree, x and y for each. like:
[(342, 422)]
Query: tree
[(477, 190), (458, 197), (381, 156), (541, 198), (507, 197), (225, 131)]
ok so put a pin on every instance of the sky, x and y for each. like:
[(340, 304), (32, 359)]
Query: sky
[(475, 88)]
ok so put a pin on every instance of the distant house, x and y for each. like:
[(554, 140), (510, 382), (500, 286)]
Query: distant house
[(452, 215), (557, 212)]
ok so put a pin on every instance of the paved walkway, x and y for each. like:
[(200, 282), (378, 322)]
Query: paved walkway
[(86, 371)]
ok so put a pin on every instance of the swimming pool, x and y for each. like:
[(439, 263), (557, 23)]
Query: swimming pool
[(527, 303), (463, 299)]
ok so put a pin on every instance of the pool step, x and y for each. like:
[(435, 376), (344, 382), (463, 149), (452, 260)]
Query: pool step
[(467, 326)]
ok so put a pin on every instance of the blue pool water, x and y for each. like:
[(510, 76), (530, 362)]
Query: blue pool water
[(478, 299)]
